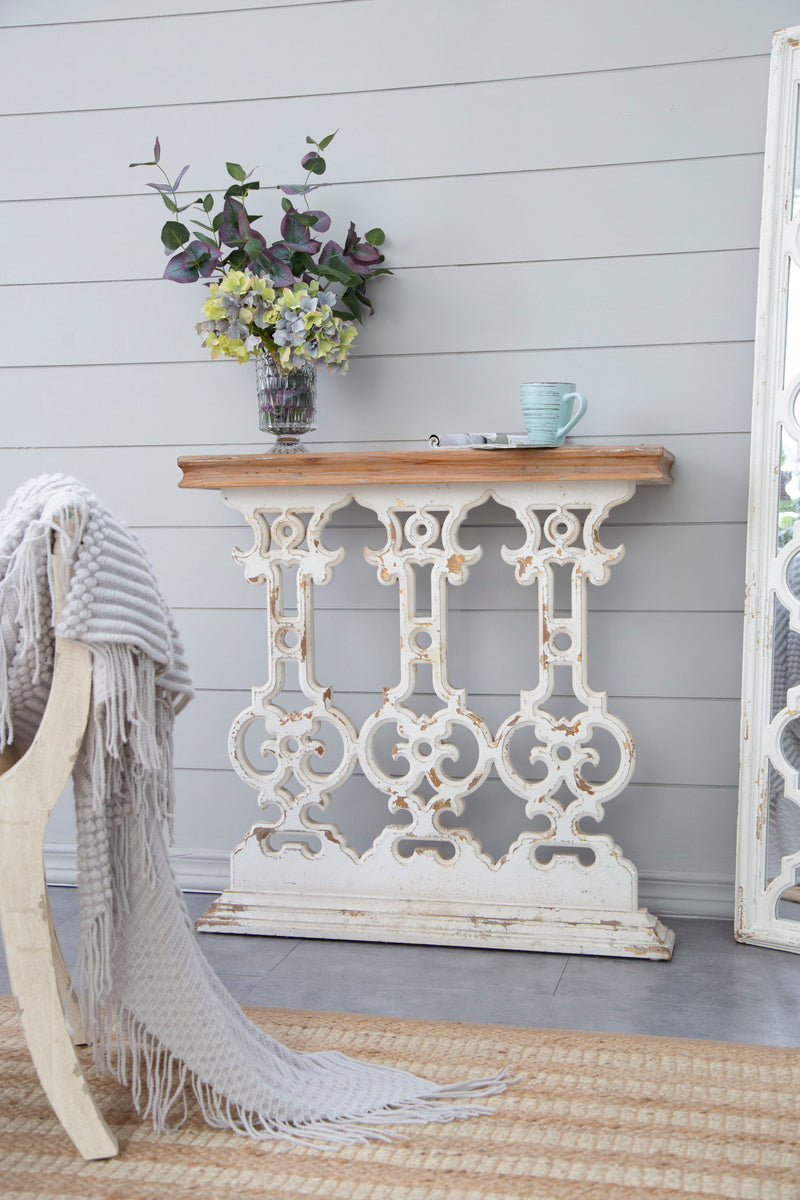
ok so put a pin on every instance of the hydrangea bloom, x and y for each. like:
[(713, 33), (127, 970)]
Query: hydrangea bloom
[(246, 315)]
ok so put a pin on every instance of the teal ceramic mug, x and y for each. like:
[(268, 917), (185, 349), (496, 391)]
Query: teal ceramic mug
[(548, 411)]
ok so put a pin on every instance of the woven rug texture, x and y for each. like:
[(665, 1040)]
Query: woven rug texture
[(594, 1117)]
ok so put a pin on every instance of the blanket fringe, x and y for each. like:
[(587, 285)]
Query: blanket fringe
[(161, 1085)]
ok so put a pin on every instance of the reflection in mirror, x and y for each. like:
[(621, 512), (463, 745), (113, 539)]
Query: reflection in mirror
[(788, 905), (783, 832), (783, 835)]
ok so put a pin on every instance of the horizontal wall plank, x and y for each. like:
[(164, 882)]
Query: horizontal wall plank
[(630, 654), (659, 300), (678, 741), (140, 484), (683, 111), (666, 567), (51, 12), (643, 208), (696, 832), (461, 43), (643, 392)]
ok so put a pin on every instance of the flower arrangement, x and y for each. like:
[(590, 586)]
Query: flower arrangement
[(296, 299)]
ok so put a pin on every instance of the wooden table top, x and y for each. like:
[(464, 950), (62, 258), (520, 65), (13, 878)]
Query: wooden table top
[(446, 464)]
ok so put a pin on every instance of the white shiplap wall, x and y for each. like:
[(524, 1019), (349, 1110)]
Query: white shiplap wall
[(570, 191)]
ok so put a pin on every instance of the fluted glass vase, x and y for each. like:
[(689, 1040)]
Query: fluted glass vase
[(287, 403)]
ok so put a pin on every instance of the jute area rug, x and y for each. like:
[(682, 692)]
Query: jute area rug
[(595, 1117)]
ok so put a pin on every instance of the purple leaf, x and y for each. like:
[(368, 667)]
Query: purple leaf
[(323, 223), (178, 272), (229, 229), (180, 177), (295, 233), (160, 187), (328, 249), (268, 262), (299, 189), (157, 150), (212, 256), (196, 260), (364, 253), (357, 267), (246, 230)]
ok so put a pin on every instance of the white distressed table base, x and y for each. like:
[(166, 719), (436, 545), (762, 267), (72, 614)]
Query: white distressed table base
[(296, 875), (420, 922)]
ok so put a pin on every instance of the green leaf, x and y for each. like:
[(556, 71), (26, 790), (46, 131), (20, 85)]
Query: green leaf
[(203, 237), (241, 189), (237, 259), (335, 274), (375, 237), (208, 202), (252, 248), (217, 221), (326, 141), (174, 235), (350, 302), (151, 163), (170, 203), (236, 172), (286, 204)]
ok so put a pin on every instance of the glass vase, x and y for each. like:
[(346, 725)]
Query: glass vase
[(287, 403)]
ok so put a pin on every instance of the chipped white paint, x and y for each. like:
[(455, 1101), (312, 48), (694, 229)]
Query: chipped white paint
[(765, 768), (296, 876)]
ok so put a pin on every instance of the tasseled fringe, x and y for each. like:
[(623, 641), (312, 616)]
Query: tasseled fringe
[(159, 1081)]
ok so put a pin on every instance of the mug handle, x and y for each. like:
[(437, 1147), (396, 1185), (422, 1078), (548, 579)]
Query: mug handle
[(583, 404)]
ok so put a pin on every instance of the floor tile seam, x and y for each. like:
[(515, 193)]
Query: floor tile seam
[(561, 975), (517, 992), (284, 957), (231, 973)]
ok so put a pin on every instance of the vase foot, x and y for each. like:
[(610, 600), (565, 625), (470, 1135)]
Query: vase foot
[(287, 445)]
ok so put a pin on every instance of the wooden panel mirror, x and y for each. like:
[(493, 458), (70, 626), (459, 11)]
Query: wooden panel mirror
[(768, 848)]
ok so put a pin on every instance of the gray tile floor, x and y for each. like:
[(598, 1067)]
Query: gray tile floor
[(712, 988)]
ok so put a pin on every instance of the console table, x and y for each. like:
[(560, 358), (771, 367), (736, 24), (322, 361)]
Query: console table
[(558, 887)]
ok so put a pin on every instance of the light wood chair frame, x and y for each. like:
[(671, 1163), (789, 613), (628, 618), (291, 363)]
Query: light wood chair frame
[(31, 780)]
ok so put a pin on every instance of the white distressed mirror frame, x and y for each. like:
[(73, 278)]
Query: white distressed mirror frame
[(762, 917)]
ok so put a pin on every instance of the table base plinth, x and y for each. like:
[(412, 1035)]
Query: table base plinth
[(419, 921)]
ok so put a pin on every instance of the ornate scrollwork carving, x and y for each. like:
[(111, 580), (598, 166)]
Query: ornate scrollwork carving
[(429, 773)]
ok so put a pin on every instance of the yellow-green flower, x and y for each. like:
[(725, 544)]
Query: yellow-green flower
[(237, 282)]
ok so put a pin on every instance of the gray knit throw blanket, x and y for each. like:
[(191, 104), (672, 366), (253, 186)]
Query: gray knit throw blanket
[(158, 1017)]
